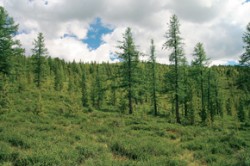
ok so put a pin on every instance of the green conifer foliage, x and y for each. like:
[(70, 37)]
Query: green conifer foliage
[(40, 53), (174, 43)]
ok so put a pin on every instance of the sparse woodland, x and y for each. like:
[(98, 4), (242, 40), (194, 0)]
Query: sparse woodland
[(54, 112)]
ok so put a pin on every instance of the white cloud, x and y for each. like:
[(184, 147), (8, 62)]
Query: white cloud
[(219, 24), (196, 10)]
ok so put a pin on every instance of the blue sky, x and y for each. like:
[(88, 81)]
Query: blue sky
[(232, 63), (95, 32)]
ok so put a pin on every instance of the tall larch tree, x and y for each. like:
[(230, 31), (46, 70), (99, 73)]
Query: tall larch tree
[(199, 62), (129, 57), (245, 57), (98, 88), (85, 102), (153, 84), (58, 75), (40, 52), (8, 48), (174, 43), (244, 77)]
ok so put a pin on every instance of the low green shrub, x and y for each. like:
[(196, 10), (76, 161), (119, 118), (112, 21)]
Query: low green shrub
[(194, 146), (32, 160), (18, 141), (123, 150), (5, 152), (85, 153)]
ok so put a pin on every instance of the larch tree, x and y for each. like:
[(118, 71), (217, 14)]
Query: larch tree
[(245, 57), (153, 84), (40, 52), (8, 48), (58, 75), (112, 77), (98, 89), (186, 88), (129, 58), (85, 102), (240, 111), (243, 80), (174, 43), (200, 61)]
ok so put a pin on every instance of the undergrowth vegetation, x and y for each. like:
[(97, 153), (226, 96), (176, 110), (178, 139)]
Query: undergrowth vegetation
[(72, 135)]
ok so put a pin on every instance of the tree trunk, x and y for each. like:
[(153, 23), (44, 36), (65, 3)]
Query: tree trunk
[(203, 110), (178, 119), (130, 86)]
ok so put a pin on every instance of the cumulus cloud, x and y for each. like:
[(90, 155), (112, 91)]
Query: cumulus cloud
[(196, 10), (219, 24)]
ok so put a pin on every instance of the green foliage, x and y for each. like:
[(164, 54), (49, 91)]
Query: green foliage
[(245, 57), (174, 43), (58, 76), (241, 113), (8, 46), (100, 138), (199, 62), (153, 83), (38, 105), (85, 102), (128, 69), (77, 116), (4, 97), (39, 54), (98, 90)]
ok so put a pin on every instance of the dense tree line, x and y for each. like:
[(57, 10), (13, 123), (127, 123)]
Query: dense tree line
[(187, 93)]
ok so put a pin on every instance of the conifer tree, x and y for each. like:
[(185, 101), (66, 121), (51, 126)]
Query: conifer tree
[(112, 77), (186, 89), (245, 57), (8, 46), (129, 57), (243, 81), (58, 77), (210, 102), (229, 106), (99, 92), (40, 52), (85, 102), (153, 84), (241, 113), (174, 43), (200, 61)]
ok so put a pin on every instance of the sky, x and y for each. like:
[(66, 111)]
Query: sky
[(89, 30)]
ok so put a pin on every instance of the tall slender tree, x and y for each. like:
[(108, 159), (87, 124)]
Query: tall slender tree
[(174, 43), (153, 84), (39, 54), (85, 102), (58, 76), (245, 57), (129, 57), (8, 48), (99, 91), (8, 45), (243, 79), (200, 61)]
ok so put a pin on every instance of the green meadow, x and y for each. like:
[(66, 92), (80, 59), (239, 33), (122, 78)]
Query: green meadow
[(58, 135)]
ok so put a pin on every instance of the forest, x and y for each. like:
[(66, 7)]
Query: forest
[(133, 112)]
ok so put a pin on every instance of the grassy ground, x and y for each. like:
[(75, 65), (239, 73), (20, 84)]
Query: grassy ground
[(60, 134)]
